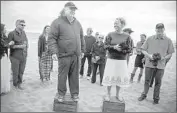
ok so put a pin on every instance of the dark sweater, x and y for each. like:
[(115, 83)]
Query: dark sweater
[(113, 39), (89, 41)]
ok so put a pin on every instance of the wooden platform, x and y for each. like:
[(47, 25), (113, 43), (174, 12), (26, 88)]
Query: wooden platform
[(113, 105), (68, 105)]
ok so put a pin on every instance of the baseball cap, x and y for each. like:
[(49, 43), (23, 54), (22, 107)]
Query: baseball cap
[(128, 29), (70, 4), (160, 25)]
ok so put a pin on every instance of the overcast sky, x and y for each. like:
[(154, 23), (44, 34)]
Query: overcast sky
[(141, 16)]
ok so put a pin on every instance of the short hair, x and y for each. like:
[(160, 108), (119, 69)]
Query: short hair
[(143, 35), (90, 29), (122, 21), (19, 21)]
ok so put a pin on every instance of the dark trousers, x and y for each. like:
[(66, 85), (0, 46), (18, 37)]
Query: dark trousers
[(158, 73), (68, 67), (153, 77), (18, 68), (101, 70), (128, 57), (89, 57)]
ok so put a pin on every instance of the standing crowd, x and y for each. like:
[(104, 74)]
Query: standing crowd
[(64, 41)]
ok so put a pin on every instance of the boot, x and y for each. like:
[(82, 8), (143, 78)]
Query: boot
[(139, 78), (131, 79)]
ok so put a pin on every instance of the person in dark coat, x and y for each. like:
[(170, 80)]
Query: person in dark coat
[(98, 58), (67, 45)]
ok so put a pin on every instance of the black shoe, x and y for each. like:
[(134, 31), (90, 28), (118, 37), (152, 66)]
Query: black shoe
[(20, 87), (141, 98), (155, 102), (131, 80)]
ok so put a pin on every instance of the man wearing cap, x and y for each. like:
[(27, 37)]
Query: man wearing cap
[(129, 31), (66, 43), (158, 43), (89, 41), (18, 52)]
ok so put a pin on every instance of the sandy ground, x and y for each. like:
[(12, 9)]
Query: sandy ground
[(39, 97)]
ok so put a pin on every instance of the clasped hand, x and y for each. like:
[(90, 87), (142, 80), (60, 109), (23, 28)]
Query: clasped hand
[(117, 47)]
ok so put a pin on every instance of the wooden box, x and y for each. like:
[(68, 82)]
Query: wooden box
[(68, 105), (113, 105)]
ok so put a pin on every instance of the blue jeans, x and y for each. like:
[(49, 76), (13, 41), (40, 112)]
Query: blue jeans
[(158, 74)]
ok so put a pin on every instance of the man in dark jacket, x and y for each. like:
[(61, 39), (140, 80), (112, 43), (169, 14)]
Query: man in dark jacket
[(66, 43), (89, 41)]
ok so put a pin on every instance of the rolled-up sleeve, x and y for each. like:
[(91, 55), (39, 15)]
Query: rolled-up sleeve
[(53, 36), (170, 47)]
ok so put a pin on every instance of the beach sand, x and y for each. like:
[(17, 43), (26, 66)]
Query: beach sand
[(39, 97)]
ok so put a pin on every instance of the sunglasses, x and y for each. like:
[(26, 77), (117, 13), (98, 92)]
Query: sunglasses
[(22, 25), (101, 38)]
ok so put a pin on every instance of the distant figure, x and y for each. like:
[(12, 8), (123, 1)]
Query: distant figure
[(89, 41), (5, 70), (44, 56), (18, 53), (162, 45), (118, 46), (98, 58), (96, 37), (66, 42), (140, 59), (129, 32)]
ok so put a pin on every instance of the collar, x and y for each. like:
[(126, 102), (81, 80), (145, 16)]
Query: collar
[(66, 19), (18, 31), (121, 32), (88, 36), (163, 37)]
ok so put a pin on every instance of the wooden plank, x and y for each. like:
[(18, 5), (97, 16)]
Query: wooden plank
[(113, 105), (68, 105)]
